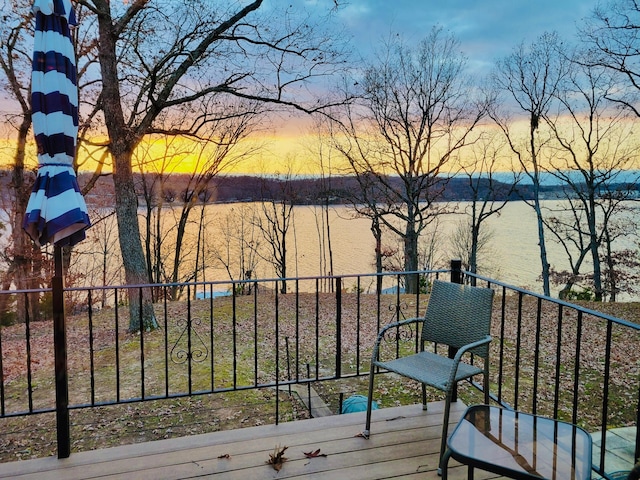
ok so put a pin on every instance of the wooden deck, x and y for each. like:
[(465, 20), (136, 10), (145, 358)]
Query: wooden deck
[(404, 445)]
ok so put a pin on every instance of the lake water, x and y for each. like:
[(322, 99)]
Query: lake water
[(513, 244), (513, 251)]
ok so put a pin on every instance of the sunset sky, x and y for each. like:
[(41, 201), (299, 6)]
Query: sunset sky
[(487, 29)]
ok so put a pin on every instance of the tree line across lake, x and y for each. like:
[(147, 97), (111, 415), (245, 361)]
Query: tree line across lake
[(315, 190)]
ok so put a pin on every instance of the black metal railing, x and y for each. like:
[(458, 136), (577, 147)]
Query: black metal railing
[(566, 362), (548, 357)]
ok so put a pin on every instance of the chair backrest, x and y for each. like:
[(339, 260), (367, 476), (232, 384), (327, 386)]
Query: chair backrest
[(458, 315)]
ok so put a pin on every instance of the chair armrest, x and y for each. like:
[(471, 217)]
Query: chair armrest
[(387, 327), (470, 346), (461, 351)]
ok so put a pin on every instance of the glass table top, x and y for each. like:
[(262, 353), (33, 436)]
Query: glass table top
[(520, 445)]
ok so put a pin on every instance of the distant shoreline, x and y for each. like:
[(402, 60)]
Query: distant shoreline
[(336, 190)]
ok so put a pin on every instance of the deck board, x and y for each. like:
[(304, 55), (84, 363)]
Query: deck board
[(404, 445)]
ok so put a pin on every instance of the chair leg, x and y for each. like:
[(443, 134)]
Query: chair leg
[(445, 430), (424, 397), (444, 463), (486, 387), (367, 426)]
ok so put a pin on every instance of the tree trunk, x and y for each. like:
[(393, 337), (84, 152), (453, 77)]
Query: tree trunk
[(594, 247), (122, 143), (21, 271), (613, 285), (20, 266), (377, 234), (536, 206), (200, 248), (411, 257), (148, 195), (543, 248), (326, 211), (131, 244), (182, 229), (157, 245)]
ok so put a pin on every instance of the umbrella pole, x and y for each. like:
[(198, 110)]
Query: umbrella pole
[(60, 348)]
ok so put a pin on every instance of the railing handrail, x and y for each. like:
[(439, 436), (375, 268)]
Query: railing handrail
[(557, 301), (243, 281)]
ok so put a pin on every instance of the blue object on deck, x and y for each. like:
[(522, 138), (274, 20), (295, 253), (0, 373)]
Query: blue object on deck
[(357, 403)]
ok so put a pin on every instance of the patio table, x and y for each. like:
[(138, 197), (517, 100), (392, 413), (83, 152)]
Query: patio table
[(519, 445)]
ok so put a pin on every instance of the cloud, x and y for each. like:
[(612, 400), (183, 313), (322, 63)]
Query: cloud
[(487, 29)]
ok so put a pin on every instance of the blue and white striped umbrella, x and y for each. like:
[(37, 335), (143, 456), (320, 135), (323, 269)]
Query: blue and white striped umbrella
[(56, 212)]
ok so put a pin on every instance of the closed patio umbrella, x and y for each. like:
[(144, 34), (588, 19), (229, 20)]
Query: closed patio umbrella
[(56, 212)]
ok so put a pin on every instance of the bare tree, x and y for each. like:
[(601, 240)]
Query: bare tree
[(200, 264), (237, 245), (157, 192), (529, 77), (323, 154), (219, 148), (415, 111), (594, 159), (97, 258), (23, 257), (621, 266), (28, 265), (364, 201), (199, 52), (612, 34), (279, 196), (484, 159)]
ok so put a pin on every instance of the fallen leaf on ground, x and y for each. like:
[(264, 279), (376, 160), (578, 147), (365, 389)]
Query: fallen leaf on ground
[(226, 456), (277, 458), (314, 454)]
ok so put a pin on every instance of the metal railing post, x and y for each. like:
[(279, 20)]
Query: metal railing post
[(338, 327), (637, 451), (60, 354), (456, 277), (456, 271)]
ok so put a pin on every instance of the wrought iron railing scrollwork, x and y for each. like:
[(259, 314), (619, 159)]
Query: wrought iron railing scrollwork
[(190, 345), (404, 333)]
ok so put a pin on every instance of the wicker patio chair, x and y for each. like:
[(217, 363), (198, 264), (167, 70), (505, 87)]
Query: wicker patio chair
[(458, 316)]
